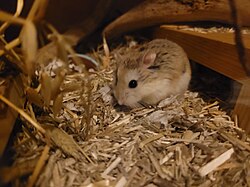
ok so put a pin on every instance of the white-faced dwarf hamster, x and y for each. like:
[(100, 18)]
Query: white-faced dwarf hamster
[(150, 73)]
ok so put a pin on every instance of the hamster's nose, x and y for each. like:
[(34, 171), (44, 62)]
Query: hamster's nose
[(120, 102)]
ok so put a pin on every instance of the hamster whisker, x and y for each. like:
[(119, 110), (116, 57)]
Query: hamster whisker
[(143, 104)]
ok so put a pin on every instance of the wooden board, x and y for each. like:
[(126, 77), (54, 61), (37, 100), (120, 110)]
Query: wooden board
[(242, 106), (218, 52), (213, 50)]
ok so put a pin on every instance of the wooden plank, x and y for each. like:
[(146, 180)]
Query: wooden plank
[(216, 51), (242, 106)]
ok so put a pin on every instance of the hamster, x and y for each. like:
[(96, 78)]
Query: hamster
[(150, 73)]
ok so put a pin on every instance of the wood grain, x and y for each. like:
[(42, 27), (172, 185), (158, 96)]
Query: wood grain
[(242, 106), (157, 12), (216, 51)]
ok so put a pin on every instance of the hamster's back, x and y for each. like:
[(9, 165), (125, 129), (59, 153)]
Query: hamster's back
[(171, 58)]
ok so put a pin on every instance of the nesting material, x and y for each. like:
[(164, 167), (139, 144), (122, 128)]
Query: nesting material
[(180, 142), (210, 29)]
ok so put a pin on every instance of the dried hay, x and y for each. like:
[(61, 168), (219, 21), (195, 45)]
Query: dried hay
[(76, 136), (209, 28), (179, 142)]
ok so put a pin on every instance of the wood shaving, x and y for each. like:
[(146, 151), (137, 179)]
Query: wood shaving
[(101, 144)]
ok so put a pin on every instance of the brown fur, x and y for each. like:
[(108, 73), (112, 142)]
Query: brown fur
[(170, 73)]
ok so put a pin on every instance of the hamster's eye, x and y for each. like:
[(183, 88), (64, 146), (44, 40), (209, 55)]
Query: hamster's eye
[(132, 84)]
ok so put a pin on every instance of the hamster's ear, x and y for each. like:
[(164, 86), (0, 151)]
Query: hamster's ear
[(148, 59)]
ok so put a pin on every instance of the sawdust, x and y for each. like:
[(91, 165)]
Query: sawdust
[(186, 142)]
